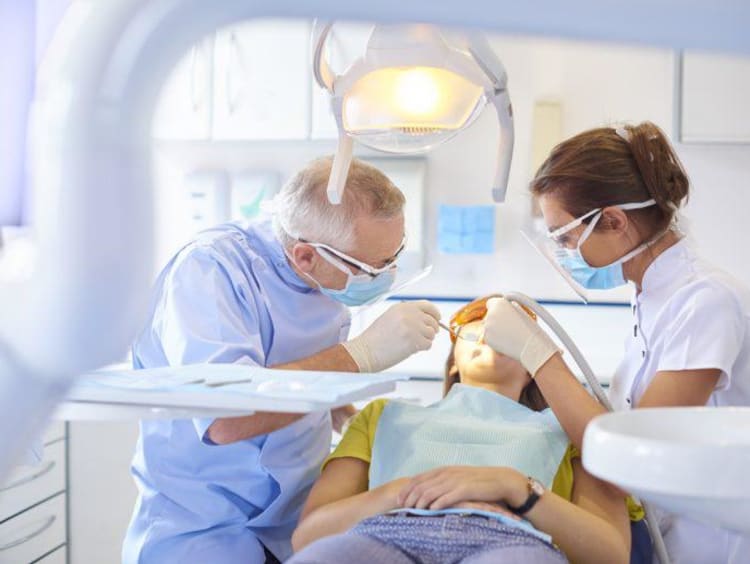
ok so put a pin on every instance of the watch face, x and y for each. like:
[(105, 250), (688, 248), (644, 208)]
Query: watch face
[(536, 486)]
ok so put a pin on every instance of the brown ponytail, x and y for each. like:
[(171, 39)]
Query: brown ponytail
[(610, 166), (659, 166)]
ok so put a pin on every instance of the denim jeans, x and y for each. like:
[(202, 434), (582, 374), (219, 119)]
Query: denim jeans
[(448, 539)]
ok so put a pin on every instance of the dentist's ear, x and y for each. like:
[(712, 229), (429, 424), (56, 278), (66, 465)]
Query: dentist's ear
[(304, 257)]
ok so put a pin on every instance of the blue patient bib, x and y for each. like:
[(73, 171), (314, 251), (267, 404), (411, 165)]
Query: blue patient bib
[(469, 427)]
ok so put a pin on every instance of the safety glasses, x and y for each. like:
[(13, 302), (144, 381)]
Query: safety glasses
[(358, 264), (559, 235), (474, 311)]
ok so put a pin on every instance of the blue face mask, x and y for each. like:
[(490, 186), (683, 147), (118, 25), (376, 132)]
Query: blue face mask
[(603, 277), (590, 277), (360, 289)]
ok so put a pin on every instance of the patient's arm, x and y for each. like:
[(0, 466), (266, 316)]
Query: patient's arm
[(593, 528), (340, 499)]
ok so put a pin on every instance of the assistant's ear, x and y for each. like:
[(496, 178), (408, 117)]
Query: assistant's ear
[(614, 220), (304, 256)]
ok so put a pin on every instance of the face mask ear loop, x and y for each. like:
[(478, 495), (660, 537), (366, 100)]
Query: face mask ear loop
[(589, 229)]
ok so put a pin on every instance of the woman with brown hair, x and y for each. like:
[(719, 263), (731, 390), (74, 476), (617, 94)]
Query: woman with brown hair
[(610, 198), (450, 482)]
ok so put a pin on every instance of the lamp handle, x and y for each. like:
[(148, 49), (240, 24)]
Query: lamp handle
[(504, 109), (321, 70)]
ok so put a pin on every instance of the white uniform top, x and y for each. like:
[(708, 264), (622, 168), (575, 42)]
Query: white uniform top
[(688, 316)]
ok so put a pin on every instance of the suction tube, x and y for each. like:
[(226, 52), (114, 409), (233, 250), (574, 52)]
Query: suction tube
[(524, 300)]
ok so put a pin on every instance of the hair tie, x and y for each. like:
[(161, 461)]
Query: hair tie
[(624, 133)]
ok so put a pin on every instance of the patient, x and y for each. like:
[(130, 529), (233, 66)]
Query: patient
[(447, 483)]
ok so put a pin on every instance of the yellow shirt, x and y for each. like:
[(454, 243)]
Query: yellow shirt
[(359, 439)]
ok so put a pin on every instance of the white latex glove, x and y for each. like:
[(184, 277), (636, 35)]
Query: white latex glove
[(510, 331), (401, 331)]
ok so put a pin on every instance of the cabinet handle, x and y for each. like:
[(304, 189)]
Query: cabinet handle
[(31, 477), (46, 525), (234, 54)]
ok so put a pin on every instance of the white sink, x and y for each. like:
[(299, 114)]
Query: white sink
[(691, 461)]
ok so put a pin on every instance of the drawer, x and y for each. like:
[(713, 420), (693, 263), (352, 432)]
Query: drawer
[(33, 533), (31, 484), (55, 431), (59, 556)]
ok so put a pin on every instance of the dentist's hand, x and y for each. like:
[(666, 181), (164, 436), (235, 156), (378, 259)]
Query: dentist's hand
[(510, 331), (403, 330)]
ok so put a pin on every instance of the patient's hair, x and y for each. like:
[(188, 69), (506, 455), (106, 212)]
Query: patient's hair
[(531, 396)]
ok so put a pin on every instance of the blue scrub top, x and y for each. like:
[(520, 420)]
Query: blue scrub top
[(229, 296)]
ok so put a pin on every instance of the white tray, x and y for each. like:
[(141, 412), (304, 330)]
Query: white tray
[(167, 392)]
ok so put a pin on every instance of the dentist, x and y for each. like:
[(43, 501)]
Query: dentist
[(609, 198), (230, 490)]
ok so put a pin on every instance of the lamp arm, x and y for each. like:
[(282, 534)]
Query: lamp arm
[(487, 60)]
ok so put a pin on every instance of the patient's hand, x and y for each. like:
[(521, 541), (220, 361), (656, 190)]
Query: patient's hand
[(341, 415), (450, 485)]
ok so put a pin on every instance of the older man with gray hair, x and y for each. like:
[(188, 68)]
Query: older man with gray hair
[(230, 490)]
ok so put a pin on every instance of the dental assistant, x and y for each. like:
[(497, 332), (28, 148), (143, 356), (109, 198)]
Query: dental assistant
[(609, 199), (230, 490)]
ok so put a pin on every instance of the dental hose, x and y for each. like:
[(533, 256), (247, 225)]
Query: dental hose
[(524, 300)]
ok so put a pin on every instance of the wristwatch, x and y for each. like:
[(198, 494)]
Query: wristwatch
[(536, 489)]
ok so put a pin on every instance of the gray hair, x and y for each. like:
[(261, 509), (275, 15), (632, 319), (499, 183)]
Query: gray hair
[(302, 209)]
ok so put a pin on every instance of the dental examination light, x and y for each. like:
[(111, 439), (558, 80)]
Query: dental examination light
[(525, 301), (412, 91)]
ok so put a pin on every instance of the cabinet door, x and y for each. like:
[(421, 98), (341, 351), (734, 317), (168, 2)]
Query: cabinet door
[(346, 43), (715, 94), (262, 81), (35, 532), (184, 107)]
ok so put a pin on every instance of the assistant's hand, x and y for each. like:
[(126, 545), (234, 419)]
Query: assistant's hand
[(510, 331), (449, 486), (404, 329)]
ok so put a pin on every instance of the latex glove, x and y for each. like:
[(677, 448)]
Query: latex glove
[(403, 330), (510, 331)]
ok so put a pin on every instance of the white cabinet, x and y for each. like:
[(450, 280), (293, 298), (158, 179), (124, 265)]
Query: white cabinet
[(253, 81), (262, 81), (184, 108), (33, 506), (346, 43), (715, 91)]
